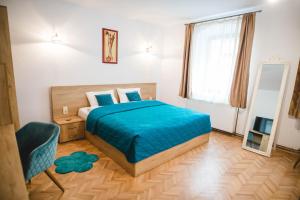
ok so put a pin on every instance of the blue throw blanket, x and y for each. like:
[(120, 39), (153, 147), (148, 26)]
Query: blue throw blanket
[(142, 129)]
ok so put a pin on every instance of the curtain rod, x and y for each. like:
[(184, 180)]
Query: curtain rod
[(208, 20)]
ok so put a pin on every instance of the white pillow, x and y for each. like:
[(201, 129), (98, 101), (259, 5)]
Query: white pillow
[(92, 99), (122, 93)]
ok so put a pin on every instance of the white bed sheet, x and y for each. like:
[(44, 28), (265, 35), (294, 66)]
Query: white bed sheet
[(84, 112)]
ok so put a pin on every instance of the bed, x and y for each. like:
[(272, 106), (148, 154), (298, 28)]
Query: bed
[(141, 135)]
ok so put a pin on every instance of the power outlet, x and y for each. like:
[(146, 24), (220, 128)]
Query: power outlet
[(65, 110)]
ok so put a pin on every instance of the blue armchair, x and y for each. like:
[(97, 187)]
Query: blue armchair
[(37, 143)]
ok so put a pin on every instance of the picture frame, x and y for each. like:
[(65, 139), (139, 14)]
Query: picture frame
[(109, 46)]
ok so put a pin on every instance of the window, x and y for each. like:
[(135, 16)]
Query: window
[(212, 61)]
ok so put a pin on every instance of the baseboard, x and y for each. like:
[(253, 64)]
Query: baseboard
[(287, 149), (227, 133)]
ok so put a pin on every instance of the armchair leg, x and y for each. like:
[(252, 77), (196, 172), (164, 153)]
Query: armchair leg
[(296, 163), (54, 180)]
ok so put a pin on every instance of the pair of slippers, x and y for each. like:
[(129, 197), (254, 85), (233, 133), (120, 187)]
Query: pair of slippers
[(79, 161)]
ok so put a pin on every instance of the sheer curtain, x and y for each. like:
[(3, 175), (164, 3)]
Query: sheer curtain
[(213, 55)]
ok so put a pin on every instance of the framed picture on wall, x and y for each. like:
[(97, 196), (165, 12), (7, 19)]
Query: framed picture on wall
[(109, 46)]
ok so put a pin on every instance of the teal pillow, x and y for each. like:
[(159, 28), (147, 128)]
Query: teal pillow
[(133, 96), (104, 99)]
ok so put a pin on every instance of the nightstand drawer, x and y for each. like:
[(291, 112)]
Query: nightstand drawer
[(71, 131)]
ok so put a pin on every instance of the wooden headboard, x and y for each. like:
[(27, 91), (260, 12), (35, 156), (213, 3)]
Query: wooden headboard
[(74, 96)]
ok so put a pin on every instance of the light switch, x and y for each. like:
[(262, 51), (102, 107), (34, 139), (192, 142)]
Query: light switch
[(65, 110)]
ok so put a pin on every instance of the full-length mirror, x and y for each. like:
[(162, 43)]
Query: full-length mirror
[(265, 108)]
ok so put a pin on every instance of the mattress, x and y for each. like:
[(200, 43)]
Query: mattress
[(142, 129), (84, 112)]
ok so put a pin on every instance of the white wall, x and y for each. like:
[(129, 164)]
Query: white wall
[(277, 34), (39, 64)]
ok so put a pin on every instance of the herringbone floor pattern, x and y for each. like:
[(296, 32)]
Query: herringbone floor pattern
[(219, 169)]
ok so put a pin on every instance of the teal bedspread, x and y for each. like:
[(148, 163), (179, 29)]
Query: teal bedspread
[(142, 129)]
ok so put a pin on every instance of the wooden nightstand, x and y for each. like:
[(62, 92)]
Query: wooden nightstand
[(71, 128)]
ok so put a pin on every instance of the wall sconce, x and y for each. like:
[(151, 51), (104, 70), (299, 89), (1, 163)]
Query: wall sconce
[(56, 39), (148, 49)]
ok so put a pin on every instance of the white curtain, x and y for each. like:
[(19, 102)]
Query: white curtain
[(213, 55)]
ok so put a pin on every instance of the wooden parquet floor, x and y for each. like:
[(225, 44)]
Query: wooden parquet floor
[(220, 169)]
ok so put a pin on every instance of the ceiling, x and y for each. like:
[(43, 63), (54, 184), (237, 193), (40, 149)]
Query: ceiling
[(166, 11)]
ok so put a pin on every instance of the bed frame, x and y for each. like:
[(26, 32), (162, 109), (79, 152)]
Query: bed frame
[(147, 164), (74, 97)]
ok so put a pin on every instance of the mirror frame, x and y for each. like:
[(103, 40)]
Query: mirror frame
[(278, 107)]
